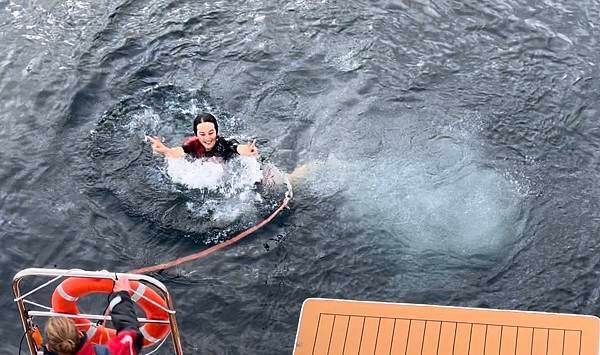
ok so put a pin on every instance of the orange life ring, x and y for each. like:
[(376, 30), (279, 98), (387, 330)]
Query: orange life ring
[(65, 296)]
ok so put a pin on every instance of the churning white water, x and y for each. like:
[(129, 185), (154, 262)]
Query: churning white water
[(431, 192), (227, 178), (230, 187)]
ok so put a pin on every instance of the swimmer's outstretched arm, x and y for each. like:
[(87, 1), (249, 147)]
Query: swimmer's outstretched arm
[(159, 147), (247, 149)]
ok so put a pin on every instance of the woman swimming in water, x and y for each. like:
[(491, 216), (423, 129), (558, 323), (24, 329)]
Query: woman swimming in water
[(206, 142)]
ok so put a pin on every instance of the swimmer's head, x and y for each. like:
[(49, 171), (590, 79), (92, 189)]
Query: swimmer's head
[(206, 129), (203, 117)]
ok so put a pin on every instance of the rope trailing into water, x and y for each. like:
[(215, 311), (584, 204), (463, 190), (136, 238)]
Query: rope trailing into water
[(173, 263), (214, 248)]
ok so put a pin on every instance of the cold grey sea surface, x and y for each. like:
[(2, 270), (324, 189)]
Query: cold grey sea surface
[(453, 153)]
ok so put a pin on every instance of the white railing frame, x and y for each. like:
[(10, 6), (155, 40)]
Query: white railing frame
[(26, 315)]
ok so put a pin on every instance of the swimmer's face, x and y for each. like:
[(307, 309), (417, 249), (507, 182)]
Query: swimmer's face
[(207, 134)]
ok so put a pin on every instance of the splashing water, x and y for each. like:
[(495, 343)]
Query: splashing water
[(205, 199), (227, 178), (432, 196), (233, 182)]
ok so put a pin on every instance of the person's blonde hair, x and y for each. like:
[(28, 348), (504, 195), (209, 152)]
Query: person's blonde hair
[(61, 335)]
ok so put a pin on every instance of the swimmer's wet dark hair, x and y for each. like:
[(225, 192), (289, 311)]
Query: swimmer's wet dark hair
[(205, 117)]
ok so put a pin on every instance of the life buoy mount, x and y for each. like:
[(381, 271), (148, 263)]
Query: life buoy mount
[(66, 295)]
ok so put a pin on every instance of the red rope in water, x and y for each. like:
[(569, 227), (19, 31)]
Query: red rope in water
[(214, 248)]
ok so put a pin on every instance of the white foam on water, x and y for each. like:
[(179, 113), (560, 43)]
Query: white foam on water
[(435, 196), (229, 178), (197, 174), (234, 181)]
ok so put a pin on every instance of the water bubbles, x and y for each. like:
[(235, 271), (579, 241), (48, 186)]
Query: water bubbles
[(206, 199), (196, 174), (234, 182), (434, 194)]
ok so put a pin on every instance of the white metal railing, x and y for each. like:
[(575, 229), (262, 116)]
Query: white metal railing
[(26, 315)]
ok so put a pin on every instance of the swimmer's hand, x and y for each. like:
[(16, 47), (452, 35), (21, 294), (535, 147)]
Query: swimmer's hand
[(248, 150), (159, 147)]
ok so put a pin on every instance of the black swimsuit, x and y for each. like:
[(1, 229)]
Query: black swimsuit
[(223, 148)]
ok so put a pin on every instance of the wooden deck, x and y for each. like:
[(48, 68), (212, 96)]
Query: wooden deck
[(337, 327)]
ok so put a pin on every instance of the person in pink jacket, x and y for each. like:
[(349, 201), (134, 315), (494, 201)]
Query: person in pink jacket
[(63, 338)]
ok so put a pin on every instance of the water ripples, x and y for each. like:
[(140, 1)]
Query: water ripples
[(453, 146)]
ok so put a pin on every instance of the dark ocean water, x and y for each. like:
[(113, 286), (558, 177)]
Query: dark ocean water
[(452, 145)]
